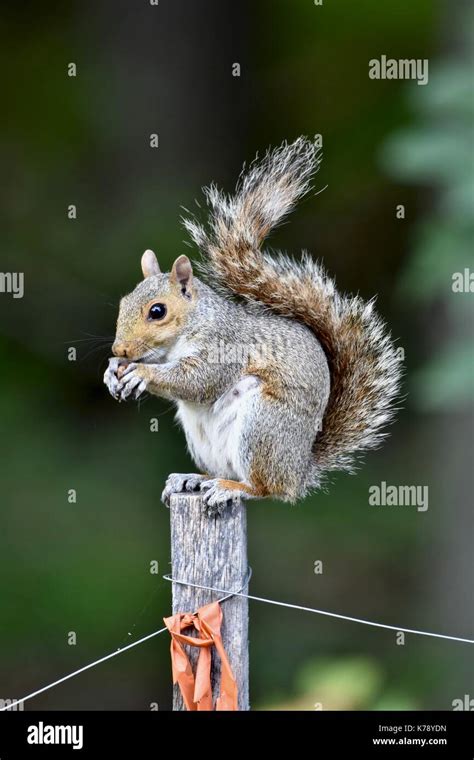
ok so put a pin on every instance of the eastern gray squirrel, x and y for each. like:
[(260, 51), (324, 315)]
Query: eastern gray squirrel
[(278, 379)]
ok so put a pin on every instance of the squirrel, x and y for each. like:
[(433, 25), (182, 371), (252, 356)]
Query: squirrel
[(278, 379)]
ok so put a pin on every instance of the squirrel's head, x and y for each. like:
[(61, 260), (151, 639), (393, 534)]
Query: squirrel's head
[(152, 317)]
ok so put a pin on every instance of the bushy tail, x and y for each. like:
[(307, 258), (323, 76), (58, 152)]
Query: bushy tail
[(365, 370)]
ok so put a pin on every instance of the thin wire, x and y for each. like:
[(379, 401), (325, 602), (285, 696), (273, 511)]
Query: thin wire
[(228, 595), (322, 612), (81, 670)]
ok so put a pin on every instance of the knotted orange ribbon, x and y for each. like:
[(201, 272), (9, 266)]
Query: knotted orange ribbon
[(197, 691)]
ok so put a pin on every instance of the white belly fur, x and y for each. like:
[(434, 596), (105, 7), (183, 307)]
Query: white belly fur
[(213, 431)]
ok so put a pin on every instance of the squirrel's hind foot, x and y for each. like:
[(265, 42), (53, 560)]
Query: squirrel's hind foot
[(181, 483), (219, 494)]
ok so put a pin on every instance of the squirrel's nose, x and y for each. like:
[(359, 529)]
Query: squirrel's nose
[(120, 349)]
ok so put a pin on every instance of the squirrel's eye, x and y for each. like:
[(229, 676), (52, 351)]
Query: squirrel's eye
[(157, 311)]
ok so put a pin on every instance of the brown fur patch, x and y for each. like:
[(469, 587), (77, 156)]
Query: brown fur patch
[(265, 481), (273, 385), (235, 485)]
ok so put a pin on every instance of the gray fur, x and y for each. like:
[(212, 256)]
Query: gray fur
[(318, 375)]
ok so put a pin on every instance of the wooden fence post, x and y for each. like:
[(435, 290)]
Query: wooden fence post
[(212, 551)]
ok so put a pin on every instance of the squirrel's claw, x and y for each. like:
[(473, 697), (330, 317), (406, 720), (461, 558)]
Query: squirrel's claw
[(216, 498), (131, 384), (181, 483), (110, 377)]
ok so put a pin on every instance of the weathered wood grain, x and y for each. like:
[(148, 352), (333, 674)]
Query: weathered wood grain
[(212, 551)]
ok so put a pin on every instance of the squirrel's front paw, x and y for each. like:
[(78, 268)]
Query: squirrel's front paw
[(133, 382), (110, 376)]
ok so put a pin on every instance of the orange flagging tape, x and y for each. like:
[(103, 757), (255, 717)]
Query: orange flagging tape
[(197, 690)]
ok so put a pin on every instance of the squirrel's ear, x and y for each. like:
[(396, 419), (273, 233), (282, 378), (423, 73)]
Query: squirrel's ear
[(182, 274), (150, 264)]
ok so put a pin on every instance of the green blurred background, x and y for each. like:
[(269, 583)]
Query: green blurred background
[(84, 567)]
